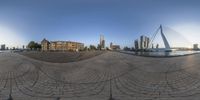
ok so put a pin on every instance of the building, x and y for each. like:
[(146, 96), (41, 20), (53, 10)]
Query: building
[(195, 47), (23, 47), (111, 44), (136, 42), (114, 47), (61, 45), (3, 47), (141, 42), (144, 42), (45, 45), (102, 42)]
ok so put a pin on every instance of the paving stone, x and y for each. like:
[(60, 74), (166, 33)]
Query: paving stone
[(126, 77)]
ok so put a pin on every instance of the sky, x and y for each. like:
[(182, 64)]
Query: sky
[(120, 21)]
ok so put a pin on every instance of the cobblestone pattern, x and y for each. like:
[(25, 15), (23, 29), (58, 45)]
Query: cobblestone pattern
[(126, 77)]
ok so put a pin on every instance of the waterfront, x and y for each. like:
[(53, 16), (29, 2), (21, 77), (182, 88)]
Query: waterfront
[(162, 54), (167, 54)]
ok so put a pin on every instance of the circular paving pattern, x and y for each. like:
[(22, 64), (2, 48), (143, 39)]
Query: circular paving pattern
[(117, 75)]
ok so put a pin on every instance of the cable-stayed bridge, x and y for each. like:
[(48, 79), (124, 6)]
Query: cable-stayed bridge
[(166, 39)]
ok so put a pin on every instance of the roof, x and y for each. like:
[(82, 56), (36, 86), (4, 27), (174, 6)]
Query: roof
[(45, 41), (65, 42)]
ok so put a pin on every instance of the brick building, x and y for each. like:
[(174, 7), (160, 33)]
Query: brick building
[(61, 45)]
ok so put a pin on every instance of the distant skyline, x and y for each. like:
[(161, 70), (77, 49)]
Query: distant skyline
[(120, 21)]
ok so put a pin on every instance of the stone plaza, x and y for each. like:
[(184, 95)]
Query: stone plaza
[(110, 75)]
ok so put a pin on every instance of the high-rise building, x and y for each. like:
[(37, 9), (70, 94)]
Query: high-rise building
[(102, 42), (3, 47), (195, 47), (23, 47), (157, 46), (141, 41), (136, 42), (111, 45), (144, 42)]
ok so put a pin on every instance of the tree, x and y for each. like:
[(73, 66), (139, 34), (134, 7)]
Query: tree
[(38, 46), (127, 48), (31, 45), (92, 47), (132, 49), (85, 48)]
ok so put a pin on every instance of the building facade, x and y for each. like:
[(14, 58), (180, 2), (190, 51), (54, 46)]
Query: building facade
[(102, 42), (195, 47), (45, 45), (136, 42), (61, 45), (3, 47), (114, 47), (142, 43)]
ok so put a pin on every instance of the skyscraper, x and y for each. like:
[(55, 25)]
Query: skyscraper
[(102, 42), (3, 47), (141, 42), (195, 47), (136, 44), (144, 42), (111, 44)]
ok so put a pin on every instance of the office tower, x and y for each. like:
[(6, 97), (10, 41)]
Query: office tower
[(136, 44), (144, 42), (195, 47), (147, 41), (102, 42), (111, 45), (3, 47)]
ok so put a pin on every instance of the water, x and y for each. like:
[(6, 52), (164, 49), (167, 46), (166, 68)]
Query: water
[(162, 54)]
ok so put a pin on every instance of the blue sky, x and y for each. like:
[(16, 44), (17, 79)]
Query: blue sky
[(120, 21)]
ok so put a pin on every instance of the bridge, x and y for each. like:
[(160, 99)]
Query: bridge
[(176, 40)]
